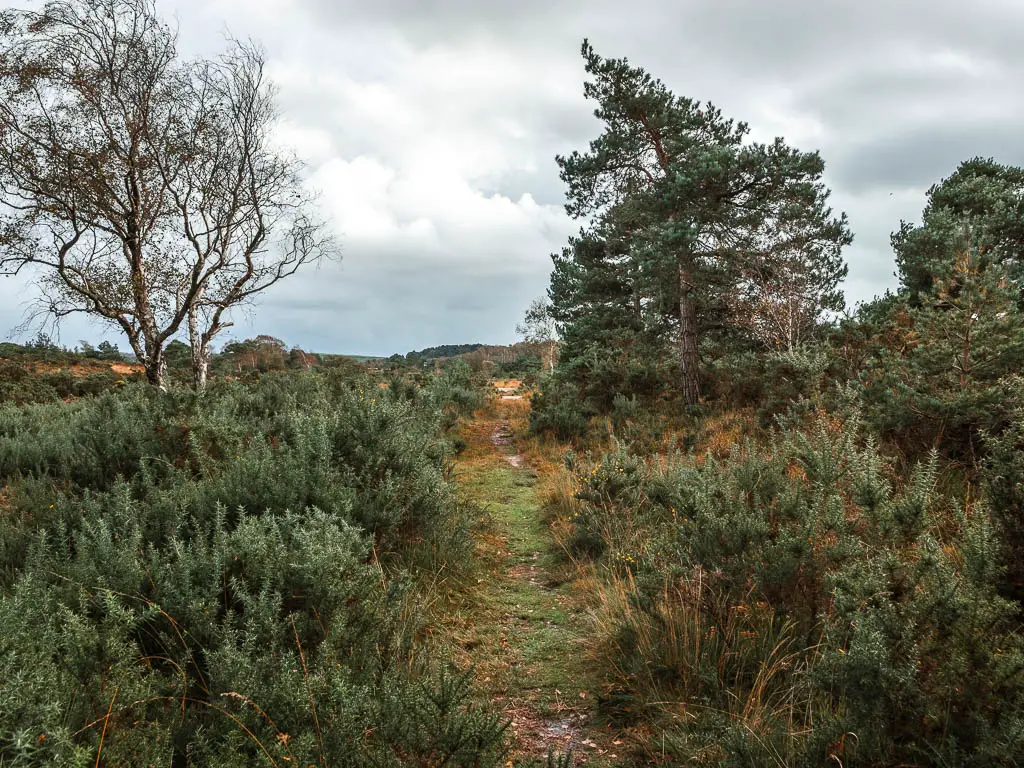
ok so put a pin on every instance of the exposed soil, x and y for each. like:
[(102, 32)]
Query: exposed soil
[(81, 368), (502, 440)]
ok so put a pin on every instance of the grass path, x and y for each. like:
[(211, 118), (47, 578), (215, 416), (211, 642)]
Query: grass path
[(521, 627)]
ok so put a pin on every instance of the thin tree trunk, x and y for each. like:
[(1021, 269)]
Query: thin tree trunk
[(689, 362), (156, 366), (200, 368), (200, 350)]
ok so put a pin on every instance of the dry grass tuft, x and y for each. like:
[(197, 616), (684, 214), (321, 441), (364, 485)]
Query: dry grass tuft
[(721, 433), (690, 651)]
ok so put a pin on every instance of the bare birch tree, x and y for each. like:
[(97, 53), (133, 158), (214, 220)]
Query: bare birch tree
[(784, 294), (139, 188), (539, 327), (244, 211)]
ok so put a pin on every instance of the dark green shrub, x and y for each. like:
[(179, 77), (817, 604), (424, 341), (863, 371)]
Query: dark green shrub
[(234, 639), (525, 366), (230, 579), (457, 391), (801, 604), (1004, 482), (775, 382), (558, 410), (601, 372), (18, 385)]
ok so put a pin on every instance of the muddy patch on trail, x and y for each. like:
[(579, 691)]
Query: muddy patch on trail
[(526, 573), (502, 439), (538, 735)]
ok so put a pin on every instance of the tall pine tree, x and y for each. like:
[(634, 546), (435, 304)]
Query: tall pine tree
[(693, 203)]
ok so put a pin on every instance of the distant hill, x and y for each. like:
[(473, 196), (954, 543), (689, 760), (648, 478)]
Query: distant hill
[(444, 350)]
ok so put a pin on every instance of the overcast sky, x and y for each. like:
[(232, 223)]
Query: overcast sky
[(430, 128)]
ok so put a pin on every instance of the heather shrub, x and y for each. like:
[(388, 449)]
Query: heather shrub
[(802, 606)]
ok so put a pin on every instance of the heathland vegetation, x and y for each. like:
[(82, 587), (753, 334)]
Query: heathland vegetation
[(702, 515), (805, 527)]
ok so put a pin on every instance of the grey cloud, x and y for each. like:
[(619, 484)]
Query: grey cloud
[(894, 94), (441, 21), (540, 185), (920, 156)]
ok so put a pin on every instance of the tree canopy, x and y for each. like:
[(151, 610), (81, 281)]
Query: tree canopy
[(138, 187), (690, 224)]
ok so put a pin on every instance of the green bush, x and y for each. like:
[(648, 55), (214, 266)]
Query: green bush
[(801, 606), (19, 385), (776, 382), (230, 579), (288, 442), (457, 391), (558, 410), (231, 639), (1004, 482)]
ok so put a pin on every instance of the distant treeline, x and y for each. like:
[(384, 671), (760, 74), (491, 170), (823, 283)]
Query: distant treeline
[(43, 348), (441, 351)]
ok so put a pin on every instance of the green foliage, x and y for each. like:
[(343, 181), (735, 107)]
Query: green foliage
[(777, 382), (105, 351), (558, 409), (20, 385), (948, 347), (611, 345), (801, 604), (522, 367), (256, 355), (426, 356), (457, 391), (227, 579), (663, 183), (1004, 483), (981, 195)]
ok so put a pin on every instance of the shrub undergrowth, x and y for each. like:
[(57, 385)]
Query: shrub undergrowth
[(232, 579), (797, 603)]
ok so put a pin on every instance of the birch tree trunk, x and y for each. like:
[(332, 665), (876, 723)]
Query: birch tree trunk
[(200, 351)]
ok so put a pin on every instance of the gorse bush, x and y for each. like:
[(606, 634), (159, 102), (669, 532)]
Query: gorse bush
[(457, 391), (284, 444), (558, 410), (229, 580), (776, 382), (1004, 482), (19, 385), (803, 607)]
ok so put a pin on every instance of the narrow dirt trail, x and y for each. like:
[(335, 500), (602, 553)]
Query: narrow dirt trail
[(522, 631)]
